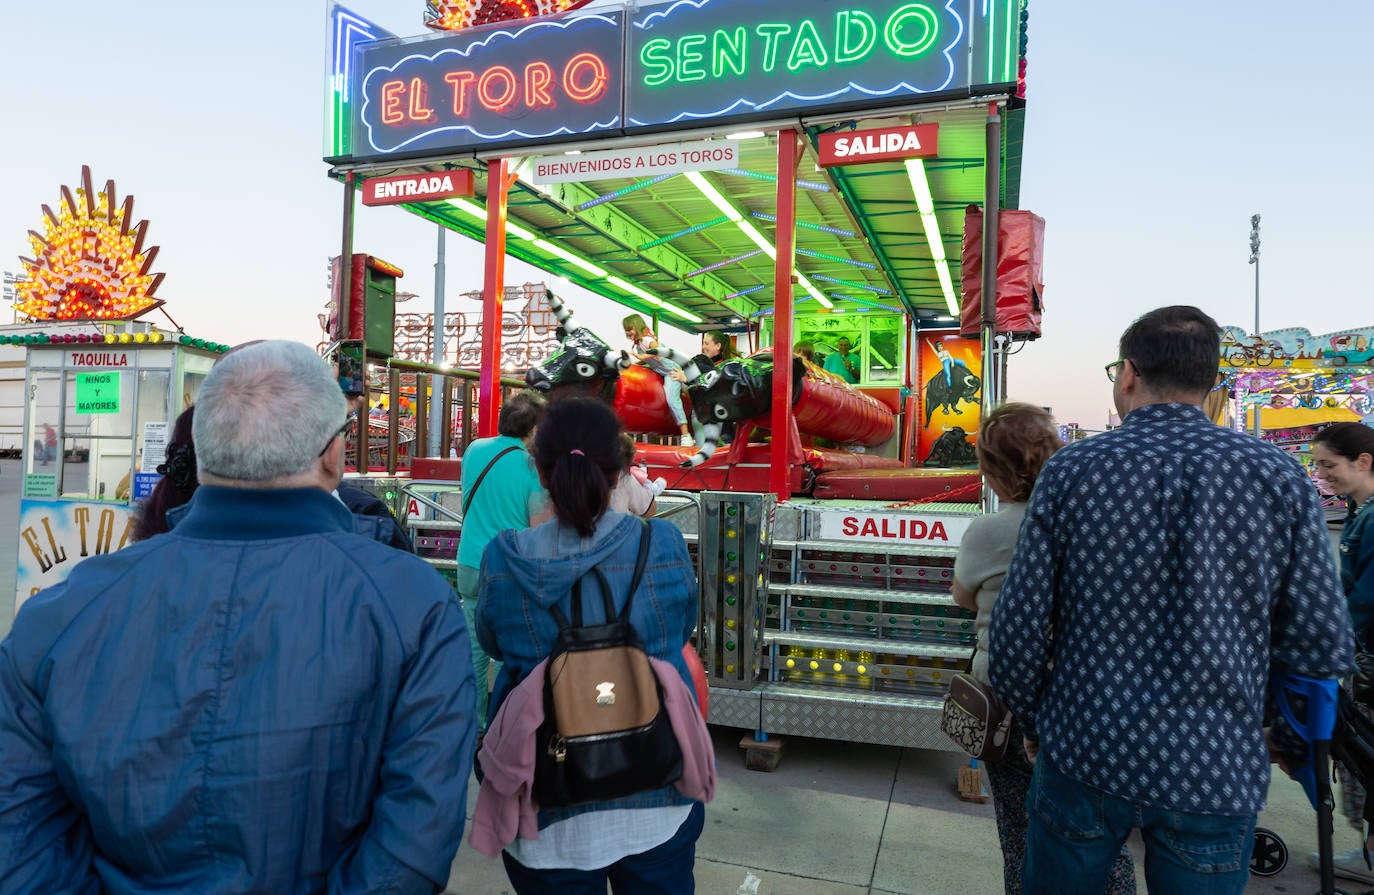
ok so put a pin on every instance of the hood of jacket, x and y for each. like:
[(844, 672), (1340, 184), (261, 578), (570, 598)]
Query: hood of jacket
[(547, 559)]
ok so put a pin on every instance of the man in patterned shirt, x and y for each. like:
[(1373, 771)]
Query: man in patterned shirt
[(1163, 570)]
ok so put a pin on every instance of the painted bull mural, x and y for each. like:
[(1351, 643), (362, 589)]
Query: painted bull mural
[(945, 390)]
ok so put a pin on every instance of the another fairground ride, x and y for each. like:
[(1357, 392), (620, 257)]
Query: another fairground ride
[(782, 174)]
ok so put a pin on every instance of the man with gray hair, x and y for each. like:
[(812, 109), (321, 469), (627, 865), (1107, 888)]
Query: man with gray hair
[(259, 700)]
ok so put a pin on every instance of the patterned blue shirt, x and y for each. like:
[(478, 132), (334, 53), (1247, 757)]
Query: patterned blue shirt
[(1176, 562)]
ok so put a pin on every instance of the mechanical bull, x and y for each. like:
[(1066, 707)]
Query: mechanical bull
[(823, 404), (946, 395), (586, 366)]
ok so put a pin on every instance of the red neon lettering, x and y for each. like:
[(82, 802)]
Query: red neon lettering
[(595, 88), (461, 81), (502, 102), (538, 77), (419, 101), (391, 102), (851, 526)]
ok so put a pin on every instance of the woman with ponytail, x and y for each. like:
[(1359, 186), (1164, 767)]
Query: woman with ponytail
[(641, 843)]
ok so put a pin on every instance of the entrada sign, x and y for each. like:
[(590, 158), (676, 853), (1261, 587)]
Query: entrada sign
[(426, 187), (665, 65)]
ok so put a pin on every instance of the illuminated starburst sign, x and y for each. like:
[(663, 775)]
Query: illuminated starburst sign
[(455, 15), (90, 263)]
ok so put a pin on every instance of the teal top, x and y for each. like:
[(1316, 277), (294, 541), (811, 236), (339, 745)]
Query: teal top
[(834, 363), (508, 496)]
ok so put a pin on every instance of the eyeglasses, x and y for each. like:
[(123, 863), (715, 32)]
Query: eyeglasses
[(343, 430), (1114, 369)]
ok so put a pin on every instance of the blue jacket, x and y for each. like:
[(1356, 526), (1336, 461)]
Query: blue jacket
[(257, 701), (526, 572), (1357, 574)]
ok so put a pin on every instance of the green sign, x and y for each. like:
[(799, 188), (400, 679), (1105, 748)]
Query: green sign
[(97, 393), (40, 484)]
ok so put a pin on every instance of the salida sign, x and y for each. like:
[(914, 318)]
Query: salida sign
[(883, 144), (926, 529), (545, 79)]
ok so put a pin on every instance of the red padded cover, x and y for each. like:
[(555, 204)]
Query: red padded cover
[(956, 485), (1020, 272), (444, 469)]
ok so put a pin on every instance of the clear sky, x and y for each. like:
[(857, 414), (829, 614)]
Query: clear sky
[(1154, 132)]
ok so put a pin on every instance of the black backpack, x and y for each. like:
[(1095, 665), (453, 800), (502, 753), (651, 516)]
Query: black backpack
[(605, 733)]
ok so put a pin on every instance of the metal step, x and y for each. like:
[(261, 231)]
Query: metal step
[(866, 644), (930, 598)]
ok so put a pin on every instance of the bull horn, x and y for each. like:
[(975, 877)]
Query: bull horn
[(710, 440), (686, 362), (561, 312), (617, 358)]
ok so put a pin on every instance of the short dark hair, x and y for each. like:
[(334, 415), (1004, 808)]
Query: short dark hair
[(578, 455), (1174, 349), (178, 483), (521, 413), (1347, 440), (1013, 444)]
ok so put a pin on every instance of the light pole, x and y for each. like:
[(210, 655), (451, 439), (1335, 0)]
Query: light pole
[(1254, 259), (10, 289)]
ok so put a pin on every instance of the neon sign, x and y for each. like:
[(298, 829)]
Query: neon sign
[(545, 79), (700, 59)]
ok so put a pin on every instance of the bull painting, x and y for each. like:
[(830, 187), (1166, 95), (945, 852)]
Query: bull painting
[(946, 394), (952, 449)]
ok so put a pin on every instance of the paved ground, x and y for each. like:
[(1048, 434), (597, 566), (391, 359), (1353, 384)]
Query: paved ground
[(834, 819)]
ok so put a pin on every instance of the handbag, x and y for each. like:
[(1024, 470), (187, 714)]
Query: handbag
[(975, 719), (605, 732)]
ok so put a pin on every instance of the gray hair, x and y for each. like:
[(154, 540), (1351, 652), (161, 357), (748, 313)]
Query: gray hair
[(265, 412)]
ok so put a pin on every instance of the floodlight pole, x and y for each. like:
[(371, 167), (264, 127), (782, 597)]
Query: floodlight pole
[(1254, 259)]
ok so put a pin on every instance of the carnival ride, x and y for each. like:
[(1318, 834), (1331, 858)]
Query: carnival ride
[(612, 165)]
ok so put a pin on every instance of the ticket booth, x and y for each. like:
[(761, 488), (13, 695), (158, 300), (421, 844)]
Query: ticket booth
[(98, 413)]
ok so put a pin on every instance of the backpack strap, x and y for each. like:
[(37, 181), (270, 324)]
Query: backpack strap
[(646, 535), (608, 605), (467, 498)]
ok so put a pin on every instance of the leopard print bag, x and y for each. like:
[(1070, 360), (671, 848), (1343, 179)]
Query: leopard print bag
[(975, 719)]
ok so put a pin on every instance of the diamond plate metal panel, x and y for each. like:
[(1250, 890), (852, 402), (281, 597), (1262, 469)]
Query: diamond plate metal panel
[(735, 708), (888, 721)]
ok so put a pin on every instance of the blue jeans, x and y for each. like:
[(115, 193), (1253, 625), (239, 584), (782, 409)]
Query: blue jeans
[(663, 870), (468, 579), (672, 392), (1076, 831)]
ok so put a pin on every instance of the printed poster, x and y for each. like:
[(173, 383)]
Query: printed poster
[(949, 372), (55, 535)]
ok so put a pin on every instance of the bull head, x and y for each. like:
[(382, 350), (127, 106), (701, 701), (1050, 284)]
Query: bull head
[(582, 361)]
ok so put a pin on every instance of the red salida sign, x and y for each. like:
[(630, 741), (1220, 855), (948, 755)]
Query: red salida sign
[(883, 144), (423, 187)]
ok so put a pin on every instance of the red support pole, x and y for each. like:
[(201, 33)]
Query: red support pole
[(493, 297), (779, 459)]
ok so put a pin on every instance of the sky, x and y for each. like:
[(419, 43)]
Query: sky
[(1153, 133)]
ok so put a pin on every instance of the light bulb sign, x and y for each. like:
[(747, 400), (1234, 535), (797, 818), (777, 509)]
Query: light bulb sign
[(497, 86)]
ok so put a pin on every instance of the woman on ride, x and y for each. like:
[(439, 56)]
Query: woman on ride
[(1343, 455), (1013, 444), (644, 842)]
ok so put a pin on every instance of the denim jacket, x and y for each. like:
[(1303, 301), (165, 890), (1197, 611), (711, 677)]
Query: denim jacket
[(526, 572)]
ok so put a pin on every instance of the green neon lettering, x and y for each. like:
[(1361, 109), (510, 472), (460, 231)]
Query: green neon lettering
[(808, 49), (847, 47), (927, 21), (657, 58), (729, 51), (772, 35), (690, 57)]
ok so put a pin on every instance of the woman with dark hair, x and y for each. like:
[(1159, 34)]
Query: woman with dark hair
[(178, 482), (1343, 455), (644, 842), (718, 347), (1013, 444)]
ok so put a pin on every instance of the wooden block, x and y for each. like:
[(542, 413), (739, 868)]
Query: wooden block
[(971, 787), (761, 755)]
